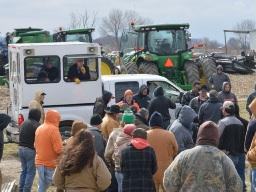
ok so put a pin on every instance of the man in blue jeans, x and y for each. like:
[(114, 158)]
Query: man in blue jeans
[(27, 151), (232, 136)]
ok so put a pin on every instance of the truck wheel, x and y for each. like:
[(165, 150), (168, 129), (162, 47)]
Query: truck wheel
[(131, 68), (148, 68), (192, 72), (209, 67), (107, 66)]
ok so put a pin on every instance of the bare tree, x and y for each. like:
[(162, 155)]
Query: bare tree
[(117, 21), (112, 25), (245, 25), (82, 20)]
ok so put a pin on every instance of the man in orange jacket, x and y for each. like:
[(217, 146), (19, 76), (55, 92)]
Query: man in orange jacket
[(48, 145)]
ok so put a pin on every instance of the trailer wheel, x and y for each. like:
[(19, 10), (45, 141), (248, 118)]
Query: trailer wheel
[(148, 68), (192, 72)]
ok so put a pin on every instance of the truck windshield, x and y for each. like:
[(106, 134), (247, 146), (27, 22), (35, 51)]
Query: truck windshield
[(166, 42)]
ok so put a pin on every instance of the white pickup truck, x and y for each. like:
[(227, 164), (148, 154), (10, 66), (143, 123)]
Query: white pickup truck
[(73, 100)]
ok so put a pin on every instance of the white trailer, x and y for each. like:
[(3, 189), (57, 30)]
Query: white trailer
[(73, 100)]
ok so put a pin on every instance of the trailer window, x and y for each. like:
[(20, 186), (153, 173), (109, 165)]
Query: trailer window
[(42, 69), (80, 68)]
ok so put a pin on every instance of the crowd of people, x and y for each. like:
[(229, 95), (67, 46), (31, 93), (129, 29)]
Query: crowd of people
[(132, 146)]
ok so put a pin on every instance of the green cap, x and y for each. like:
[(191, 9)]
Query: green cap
[(128, 117)]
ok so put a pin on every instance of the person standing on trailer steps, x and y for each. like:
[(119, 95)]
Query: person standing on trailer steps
[(37, 103)]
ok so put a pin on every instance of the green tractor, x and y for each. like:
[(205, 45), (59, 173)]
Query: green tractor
[(84, 35), (37, 35), (163, 50)]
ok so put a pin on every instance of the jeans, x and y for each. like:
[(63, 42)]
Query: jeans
[(253, 180), (239, 162), (119, 178), (45, 177), (28, 172)]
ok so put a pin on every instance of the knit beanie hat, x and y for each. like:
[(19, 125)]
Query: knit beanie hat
[(77, 126), (208, 134), (128, 117), (128, 92), (96, 119), (128, 129), (156, 120)]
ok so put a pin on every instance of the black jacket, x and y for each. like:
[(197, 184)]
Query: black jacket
[(161, 104), (188, 96), (4, 121), (210, 111), (28, 129), (142, 100), (251, 130), (73, 73), (138, 168), (232, 139), (101, 104)]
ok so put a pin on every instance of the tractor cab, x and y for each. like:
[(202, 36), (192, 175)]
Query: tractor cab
[(81, 35)]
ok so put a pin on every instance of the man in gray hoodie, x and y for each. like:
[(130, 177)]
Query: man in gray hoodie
[(182, 128), (226, 94), (217, 79)]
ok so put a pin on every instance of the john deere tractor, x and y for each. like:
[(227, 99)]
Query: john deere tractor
[(36, 35), (163, 50)]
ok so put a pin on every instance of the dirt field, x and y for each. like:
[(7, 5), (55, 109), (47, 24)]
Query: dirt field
[(242, 85)]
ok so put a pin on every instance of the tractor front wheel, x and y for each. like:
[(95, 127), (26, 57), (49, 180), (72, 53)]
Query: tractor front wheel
[(130, 68), (192, 72), (148, 68), (107, 66)]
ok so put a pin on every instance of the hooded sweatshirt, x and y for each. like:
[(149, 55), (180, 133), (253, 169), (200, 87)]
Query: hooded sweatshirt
[(48, 143), (101, 104), (38, 104), (28, 129), (142, 100), (226, 95), (4, 121), (161, 104), (217, 80), (182, 128)]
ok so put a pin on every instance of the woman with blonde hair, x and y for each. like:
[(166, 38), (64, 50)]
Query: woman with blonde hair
[(80, 169)]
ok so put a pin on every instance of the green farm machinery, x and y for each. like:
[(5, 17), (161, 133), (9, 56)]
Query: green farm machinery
[(163, 50)]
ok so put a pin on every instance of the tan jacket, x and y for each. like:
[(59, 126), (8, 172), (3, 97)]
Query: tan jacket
[(90, 179), (251, 154), (108, 123), (165, 146), (36, 104)]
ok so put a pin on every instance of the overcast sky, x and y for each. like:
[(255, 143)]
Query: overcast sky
[(207, 18)]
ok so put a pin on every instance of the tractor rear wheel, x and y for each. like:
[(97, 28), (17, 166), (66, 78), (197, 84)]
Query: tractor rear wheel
[(148, 68), (107, 66), (192, 72), (209, 67), (130, 68)]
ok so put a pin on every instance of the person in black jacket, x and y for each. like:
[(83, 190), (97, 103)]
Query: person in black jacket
[(79, 71), (101, 103), (162, 105), (27, 151), (142, 97), (138, 164), (188, 96), (232, 136)]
